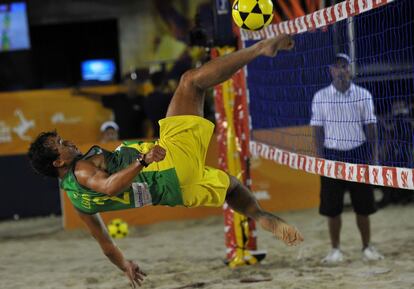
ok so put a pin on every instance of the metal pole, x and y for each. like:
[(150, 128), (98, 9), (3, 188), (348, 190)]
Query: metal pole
[(351, 44)]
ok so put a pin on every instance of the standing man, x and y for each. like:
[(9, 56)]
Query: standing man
[(345, 129)]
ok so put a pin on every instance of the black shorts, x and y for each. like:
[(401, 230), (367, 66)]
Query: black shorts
[(332, 197)]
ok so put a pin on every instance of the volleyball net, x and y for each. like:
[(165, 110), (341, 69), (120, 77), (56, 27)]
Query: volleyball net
[(265, 110), (377, 36)]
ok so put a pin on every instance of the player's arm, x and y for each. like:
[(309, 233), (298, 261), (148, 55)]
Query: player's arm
[(98, 230), (100, 181)]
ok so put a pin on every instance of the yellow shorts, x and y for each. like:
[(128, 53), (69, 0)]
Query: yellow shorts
[(186, 139)]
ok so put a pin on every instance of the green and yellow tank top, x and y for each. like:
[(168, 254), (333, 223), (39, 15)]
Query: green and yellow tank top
[(150, 187)]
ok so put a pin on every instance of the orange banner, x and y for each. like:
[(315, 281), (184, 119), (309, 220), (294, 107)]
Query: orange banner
[(24, 114)]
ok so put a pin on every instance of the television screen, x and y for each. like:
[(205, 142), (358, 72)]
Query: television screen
[(98, 70), (14, 29)]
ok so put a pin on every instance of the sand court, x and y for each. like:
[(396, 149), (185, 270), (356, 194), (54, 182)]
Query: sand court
[(37, 253)]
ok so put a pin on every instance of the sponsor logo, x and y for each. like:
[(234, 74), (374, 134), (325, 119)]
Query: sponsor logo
[(329, 167), (362, 174), (59, 117), (340, 170), (24, 125), (310, 165), (272, 153), (285, 158), (404, 179), (301, 162), (5, 133), (339, 10), (375, 174), (320, 167), (389, 176), (142, 194), (293, 161), (351, 172)]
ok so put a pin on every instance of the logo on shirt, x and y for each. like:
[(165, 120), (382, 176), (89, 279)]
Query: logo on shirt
[(141, 194)]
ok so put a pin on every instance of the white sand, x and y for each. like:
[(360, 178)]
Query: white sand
[(38, 254)]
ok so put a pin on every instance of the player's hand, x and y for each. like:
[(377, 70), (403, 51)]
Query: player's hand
[(156, 154), (134, 274), (270, 47), (290, 235), (281, 230), (285, 42)]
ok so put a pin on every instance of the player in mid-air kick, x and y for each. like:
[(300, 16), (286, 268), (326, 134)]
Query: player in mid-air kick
[(170, 171)]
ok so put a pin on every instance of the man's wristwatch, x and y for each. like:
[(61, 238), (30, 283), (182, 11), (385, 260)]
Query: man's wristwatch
[(141, 160)]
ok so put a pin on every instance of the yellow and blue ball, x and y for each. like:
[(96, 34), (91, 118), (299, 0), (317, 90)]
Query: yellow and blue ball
[(117, 228), (252, 14)]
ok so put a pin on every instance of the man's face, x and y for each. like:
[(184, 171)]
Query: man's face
[(341, 72), (110, 134), (66, 149)]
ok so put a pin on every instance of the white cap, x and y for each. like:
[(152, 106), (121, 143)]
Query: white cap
[(109, 124), (344, 57)]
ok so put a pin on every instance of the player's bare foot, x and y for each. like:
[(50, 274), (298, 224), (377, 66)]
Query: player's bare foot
[(271, 46), (281, 230)]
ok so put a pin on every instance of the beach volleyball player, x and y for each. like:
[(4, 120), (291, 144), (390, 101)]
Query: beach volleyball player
[(170, 171)]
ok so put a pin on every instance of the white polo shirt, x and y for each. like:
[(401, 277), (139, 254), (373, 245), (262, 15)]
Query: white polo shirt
[(343, 115)]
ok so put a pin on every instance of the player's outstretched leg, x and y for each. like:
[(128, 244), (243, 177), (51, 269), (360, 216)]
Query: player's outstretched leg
[(188, 99), (240, 199)]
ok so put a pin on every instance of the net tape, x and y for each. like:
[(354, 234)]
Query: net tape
[(315, 20)]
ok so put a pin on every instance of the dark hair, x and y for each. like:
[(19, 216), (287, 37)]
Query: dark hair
[(42, 156)]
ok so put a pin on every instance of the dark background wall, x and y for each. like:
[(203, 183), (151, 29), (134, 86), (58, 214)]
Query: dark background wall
[(23, 193), (62, 34), (54, 60)]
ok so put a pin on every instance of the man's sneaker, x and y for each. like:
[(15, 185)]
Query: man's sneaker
[(334, 256), (371, 254)]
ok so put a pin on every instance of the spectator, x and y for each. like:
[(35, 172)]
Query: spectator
[(345, 129), (127, 108), (109, 131)]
